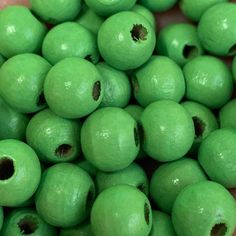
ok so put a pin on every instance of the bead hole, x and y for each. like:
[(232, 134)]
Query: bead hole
[(6, 168), (135, 83), (96, 90), (63, 150), (190, 51), (142, 187), (41, 100), (147, 213), (232, 50), (28, 225), (219, 230), (139, 33), (199, 126)]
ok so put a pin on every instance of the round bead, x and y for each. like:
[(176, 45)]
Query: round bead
[(158, 6), (135, 111), (121, 210), (217, 29), (108, 7), (117, 89), (70, 39), (126, 40), (179, 42), (20, 31), (204, 208), (234, 68), (55, 11), (109, 139), (87, 166), (168, 130), (1, 217), (26, 221), (73, 88), (65, 195), (20, 172), (158, 79), (83, 229), (54, 139), (227, 115), (217, 156)]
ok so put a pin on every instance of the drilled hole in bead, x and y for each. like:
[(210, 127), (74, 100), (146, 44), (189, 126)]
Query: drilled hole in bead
[(141, 133), (28, 225), (96, 90), (135, 83), (190, 51), (142, 187), (136, 136), (6, 168), (41, 100), (232, 50), (139, 33), (89, 199), (219, 230), (63, 150), (147, 213), (199, 126)]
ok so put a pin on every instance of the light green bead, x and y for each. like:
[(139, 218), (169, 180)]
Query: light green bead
[(158, 6), (135, 111), (83, 229), (234, 68), (227, 115), (1, 217), (87, 166)]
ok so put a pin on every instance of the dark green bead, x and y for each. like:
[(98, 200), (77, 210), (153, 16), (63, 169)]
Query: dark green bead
[(26, 221), (83, 229), (109, 139), (234, 68), (121, 210), (205, 208), (70, 39), (158, 6), (227, 115), (20, 31), (54, 139), (21, 82), (1, 217), (87, 166), (2, 60), (65, 195)]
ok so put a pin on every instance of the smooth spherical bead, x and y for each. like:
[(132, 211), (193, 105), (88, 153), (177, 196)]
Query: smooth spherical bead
[(170, 178), (65, 195), (217, 29), (20, 31), (54, 139), (208, 81), (217, 156), (108, 7), (26, 221), (158, 6), (121, 210), (126, 40), (55, 11), (1, 217), (20, 172), (227, 115), (87, 166), (205, 208), (194, 9), (83, 229), (21, 82), (168, 130), (135, 111), (109, 139), (234, 68), (179, 42), (117, 89), (73, 88), (70, 39), (158, 79)]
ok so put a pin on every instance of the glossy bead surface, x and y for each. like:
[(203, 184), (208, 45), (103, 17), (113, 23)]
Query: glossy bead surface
[(20, 172), (217, 29), (70, 39), (227, 115), (1, 217), (168, 130), (20, 31), (158, 6), (158, 79), (109, 139), (126, 40), (205, 208), (217, 156), (121, 210), (73, 88), (64, 201), (83, 229), (54, 139), (117, 89)]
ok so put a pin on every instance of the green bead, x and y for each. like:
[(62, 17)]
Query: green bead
[(158, 79), (1, 217), (179, 42), (168, 130), (234, 68), (208, 81), (20, 172), (70, 39), (158, 6), (20, 31), (65, 195), (161, 224), (109, 139), (217, 156), (194, 9), (121, 210), (83, 229), (73, 88), (87, 166), (53, 138), (55, 11), (135, 111), (217, 30), (21, 82), (227, 115), (12, 123), (26, 221), (132, 175), (204, 122), (108, 7), (170, 178), (117, 89), (2, 60), (126, 40), (205, 208)]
